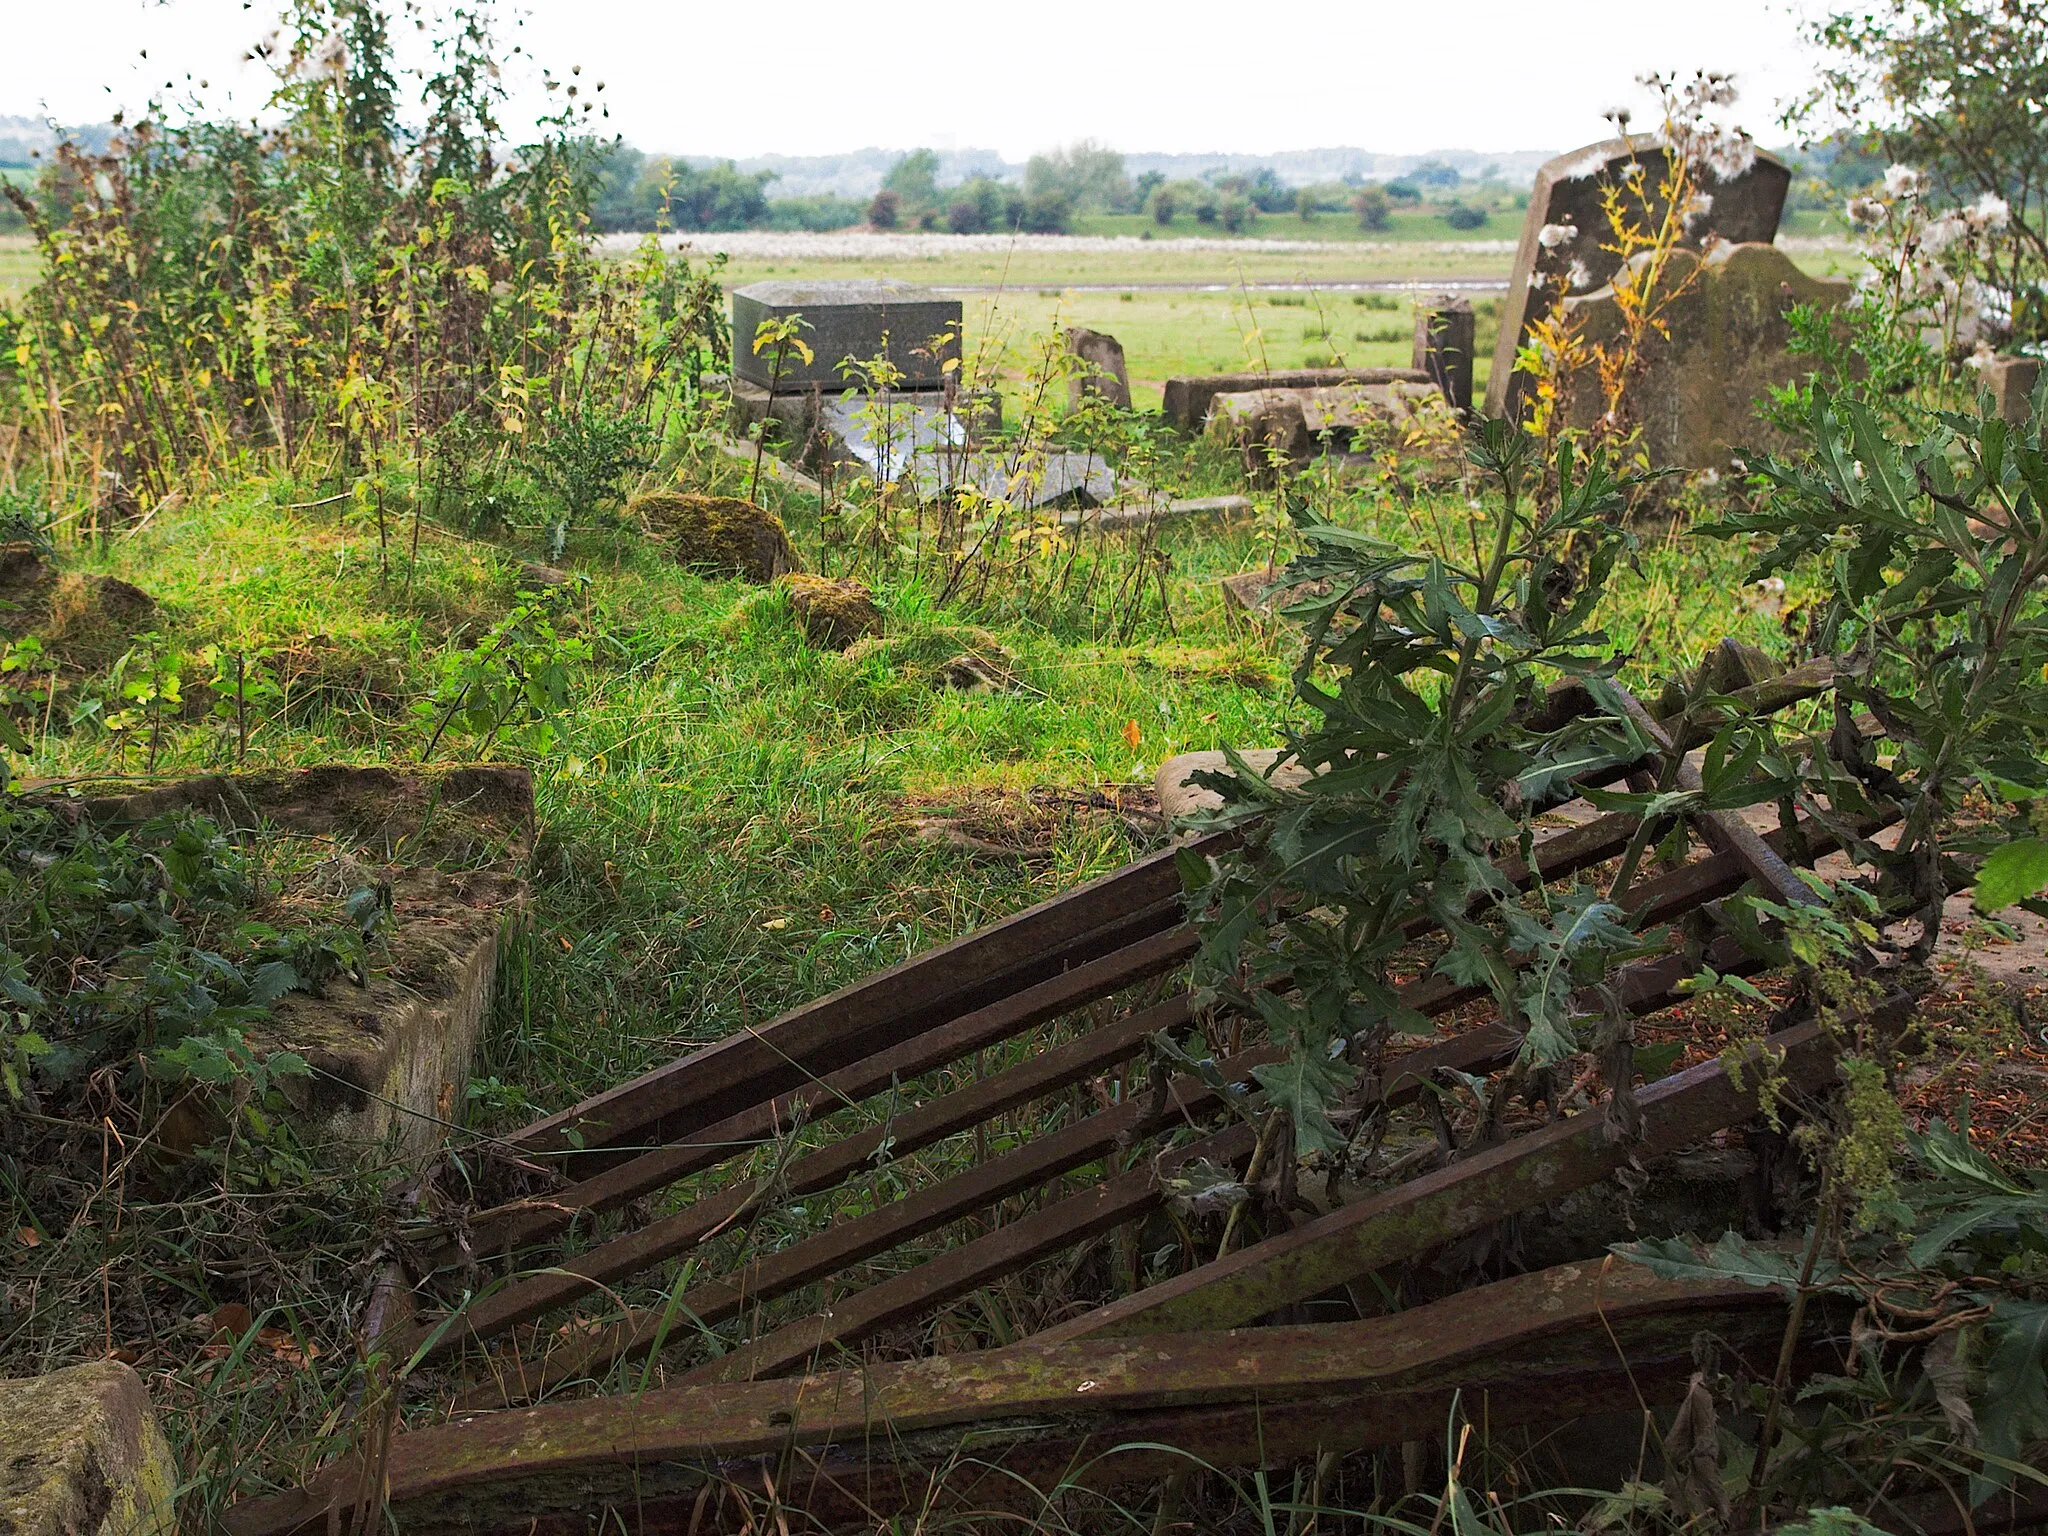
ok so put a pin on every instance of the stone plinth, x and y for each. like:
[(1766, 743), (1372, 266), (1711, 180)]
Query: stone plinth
[(1744, 210), (81, 1455), (1728, 344), (1444, 330), (860, 319)]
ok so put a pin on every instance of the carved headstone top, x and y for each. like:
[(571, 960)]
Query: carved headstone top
[(1567, 196)]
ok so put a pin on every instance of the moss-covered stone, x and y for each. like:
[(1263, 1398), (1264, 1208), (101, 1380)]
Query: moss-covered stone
[(81, 1455), (716, 533), (832, 614), (944, 656)]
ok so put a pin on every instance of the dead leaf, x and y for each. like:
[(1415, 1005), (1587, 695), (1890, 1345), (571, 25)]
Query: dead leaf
[(285, 1348), (1132, 735), (1692, 1454), (125, 1355), (231, 1320), (27, 1238), (1951, 1383)]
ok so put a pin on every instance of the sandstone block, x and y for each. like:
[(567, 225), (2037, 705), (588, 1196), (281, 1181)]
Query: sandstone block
[(81, 1454)]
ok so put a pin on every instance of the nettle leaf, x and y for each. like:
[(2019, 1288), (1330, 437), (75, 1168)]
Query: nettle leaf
[(2014, 1411), (1734, 1257), (2012, 874)]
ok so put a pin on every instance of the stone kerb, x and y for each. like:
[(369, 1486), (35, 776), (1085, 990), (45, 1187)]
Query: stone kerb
[(1728, 343), (81, 1454), (1567, 190), (391, 1058)]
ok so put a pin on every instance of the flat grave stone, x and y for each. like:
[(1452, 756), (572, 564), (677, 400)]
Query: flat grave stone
[(860, 318), (1744, 209), (1187, 398)]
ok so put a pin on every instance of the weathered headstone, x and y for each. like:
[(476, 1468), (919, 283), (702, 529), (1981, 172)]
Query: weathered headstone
[(1104, 373), (1743, 210), (2011, 381), (1444, 332), (1729, 342), (859, 319)]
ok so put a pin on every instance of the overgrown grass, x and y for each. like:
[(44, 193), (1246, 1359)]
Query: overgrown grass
[(731, 822)]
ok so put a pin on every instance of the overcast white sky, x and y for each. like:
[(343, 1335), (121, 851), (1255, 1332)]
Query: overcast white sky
[(818, 76)]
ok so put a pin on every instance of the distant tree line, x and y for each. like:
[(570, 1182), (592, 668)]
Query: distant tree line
[(641, 191)]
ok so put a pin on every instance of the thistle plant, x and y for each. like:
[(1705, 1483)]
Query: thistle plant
[(1427, 759)]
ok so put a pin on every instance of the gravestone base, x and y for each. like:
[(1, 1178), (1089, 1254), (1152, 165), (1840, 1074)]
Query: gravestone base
[(81, 1454), (392, 1058)]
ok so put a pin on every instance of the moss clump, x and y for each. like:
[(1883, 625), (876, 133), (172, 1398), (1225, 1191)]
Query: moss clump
[(84, 622), (716, 533), (831, 614), (943, 656)]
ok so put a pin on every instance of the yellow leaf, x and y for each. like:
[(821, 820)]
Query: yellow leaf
[(1132, 734)]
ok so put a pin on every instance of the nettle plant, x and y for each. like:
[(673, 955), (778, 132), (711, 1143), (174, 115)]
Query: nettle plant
[(1428, 752)]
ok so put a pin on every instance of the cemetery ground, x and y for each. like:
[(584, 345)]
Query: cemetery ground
[(747, 793), (731, 822)]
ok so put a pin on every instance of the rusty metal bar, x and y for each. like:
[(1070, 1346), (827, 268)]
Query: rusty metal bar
[(849, 1242), (995, 1254), (810, 1173), (1053, 1228), (1529, 1171), (525, 1222), (872, 1014), (1528, 1348)]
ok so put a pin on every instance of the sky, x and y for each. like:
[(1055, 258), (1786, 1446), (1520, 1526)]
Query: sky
[(824, 76)]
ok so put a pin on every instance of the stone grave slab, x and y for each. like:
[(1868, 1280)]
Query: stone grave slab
[(861, 319), (1745, 210), (392, 1057), (1187, 398), (1729, 342)]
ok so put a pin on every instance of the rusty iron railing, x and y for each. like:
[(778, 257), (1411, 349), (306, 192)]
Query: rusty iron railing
[(737, 1136)]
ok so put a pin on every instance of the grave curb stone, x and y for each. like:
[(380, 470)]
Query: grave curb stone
[(1187, 398), (393, 1057), (82, 1454)]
